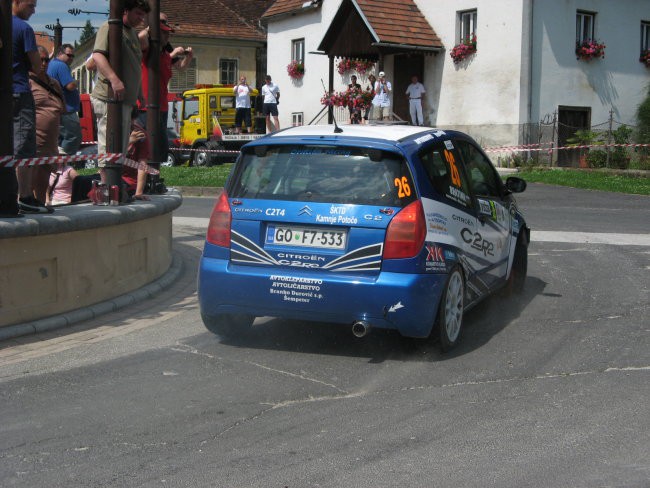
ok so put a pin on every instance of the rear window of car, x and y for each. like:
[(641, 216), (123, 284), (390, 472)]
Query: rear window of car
[(318, 173)]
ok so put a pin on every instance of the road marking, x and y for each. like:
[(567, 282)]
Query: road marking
[(591, 238), (535, 235)]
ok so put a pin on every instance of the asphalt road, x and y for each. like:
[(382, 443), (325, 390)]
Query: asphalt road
[(549, 390)]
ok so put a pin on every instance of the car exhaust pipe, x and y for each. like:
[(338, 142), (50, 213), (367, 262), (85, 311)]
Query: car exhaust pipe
[(360, 328)]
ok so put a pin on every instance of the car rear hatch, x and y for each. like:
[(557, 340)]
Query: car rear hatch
[(315, 207)]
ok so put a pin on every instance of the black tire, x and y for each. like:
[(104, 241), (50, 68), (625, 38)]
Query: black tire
[(201, 157), (171, 160), (517, 278), (228, 325), (450, 310)]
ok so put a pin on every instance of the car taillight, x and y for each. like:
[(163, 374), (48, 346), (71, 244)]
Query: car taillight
[(406, 233), (177, 142), (219, 226)]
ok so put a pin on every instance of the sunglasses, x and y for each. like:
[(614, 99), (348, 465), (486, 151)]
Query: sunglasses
[(45, 60)]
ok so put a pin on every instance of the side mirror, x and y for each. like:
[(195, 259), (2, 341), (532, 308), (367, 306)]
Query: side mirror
[(515, 184)]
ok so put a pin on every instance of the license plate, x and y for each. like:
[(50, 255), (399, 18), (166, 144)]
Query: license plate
[(281, 235)]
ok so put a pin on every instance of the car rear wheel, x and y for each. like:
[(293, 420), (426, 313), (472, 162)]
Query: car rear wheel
[(228, 325), (450, 310)]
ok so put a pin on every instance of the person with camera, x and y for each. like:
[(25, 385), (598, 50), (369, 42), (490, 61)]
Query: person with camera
[(178, 58), (381, 102)]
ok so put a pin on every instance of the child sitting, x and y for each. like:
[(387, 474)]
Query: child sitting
[(138, 150), (59, 191)]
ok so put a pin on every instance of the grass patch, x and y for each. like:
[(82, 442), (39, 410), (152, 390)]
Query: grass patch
[(214, 176), (589, 180)]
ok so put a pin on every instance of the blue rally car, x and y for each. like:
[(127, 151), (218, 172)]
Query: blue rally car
[(388, 226)]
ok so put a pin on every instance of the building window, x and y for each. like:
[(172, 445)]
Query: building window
[(183, 80), (467, 24), (297, 118), (585, 25), (645, 36), (228, 71), (298, 50)]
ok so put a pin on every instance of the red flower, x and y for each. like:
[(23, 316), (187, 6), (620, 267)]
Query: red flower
[(645, 58), (466, 48), (589, 49), (296, 70)]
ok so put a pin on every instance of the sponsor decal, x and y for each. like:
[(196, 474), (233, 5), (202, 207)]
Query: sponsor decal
[(423, 139), (396, 307), (437, 223), (248, 210), (304, 151), (334, 210), (484, 207), (449, 145), (462, 220), (305, 211), (457, 195), (476, 241), (515, 226), (275, 212), (300, 260), (294, 289), (373, 217), (336, 219), (435, 258), (439, 133), (450, 255), (387, 211)]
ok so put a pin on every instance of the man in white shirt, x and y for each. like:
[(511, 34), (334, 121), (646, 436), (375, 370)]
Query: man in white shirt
[(382, 97), (271, 94), (416, 92), (243, 105)]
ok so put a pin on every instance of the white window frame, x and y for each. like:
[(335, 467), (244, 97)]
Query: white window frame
[(228, 67), (298, 50), (297, 118), (585, 25), (645, 35), (466, 24)]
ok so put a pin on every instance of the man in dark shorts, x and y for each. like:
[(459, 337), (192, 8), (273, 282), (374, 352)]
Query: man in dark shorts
[(271, 94), (243, 105)]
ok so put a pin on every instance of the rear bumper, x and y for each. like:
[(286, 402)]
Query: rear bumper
[(405, 302)]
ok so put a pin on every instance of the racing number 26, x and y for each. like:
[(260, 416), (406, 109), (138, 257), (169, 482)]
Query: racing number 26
[(403, 187), (455, 176)]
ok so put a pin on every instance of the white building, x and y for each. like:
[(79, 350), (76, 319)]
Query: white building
[(524, 69)]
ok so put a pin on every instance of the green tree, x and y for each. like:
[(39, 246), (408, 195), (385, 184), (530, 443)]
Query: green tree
[(87, 32)]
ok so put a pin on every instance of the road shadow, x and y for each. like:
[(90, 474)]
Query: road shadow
[(480, 324)]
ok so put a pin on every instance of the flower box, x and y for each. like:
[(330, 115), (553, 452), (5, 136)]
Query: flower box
[(296, 70), (361, 66), (645, 58), (466, 48), (589, 49)]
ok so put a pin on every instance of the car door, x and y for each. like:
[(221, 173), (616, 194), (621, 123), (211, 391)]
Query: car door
[(492, 235)]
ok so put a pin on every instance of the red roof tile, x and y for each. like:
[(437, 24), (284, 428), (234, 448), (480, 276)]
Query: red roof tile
[(399, 22), (393, 21), (225, 19), (281, 7)]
